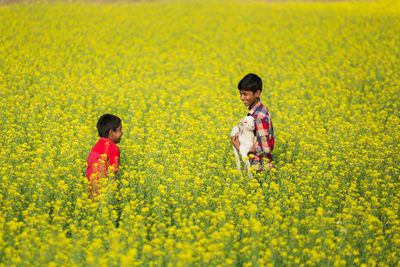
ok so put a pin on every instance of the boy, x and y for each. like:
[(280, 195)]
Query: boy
[(250, 88), (104, 156)]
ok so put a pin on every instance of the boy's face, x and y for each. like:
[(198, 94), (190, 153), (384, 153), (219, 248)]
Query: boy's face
[(115, 136), (249, 98)]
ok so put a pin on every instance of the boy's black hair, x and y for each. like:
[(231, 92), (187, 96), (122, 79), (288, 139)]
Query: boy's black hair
[(250, 82), (106, 123)]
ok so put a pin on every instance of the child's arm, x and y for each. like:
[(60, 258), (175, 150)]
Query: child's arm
[(235, 141), (263, 129), (114, 159)]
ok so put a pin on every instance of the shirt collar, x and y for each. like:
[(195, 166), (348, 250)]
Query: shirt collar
[(106, 140), (251, 111)]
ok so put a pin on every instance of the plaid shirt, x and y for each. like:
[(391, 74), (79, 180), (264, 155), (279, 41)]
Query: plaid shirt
[(264, 133)]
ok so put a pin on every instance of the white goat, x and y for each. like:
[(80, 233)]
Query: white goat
[(247, 139)]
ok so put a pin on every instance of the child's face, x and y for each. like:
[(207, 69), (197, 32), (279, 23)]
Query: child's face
[(249, 98), (115, 136)]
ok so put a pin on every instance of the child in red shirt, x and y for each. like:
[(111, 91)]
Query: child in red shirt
[(104, 157)]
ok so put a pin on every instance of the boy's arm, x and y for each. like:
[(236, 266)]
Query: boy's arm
[(114, 159), (263, 130), (235, 141)]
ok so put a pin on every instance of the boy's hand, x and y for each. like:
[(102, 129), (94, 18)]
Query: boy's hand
[(252, 150), (235, 141)]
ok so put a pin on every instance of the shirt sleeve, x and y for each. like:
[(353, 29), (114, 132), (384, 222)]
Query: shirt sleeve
[(114, 158), (264, 136)]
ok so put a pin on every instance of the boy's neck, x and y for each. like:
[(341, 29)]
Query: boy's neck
[(254, 103)]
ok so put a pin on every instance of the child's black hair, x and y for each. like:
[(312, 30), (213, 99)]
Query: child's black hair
[(106, 123), (250, 82)]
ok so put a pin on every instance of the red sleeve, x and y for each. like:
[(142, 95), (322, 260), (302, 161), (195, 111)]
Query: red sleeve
[(114, 158)]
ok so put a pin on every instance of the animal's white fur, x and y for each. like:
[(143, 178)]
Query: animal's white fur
[(247, 139)]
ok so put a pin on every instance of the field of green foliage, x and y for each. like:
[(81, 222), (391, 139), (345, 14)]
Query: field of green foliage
[(170, 70)]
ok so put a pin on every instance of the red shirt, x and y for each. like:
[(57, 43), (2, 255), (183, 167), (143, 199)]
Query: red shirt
[(103, 158)]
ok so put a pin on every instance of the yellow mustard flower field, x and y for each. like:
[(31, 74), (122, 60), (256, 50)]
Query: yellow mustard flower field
[(169, 70)]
